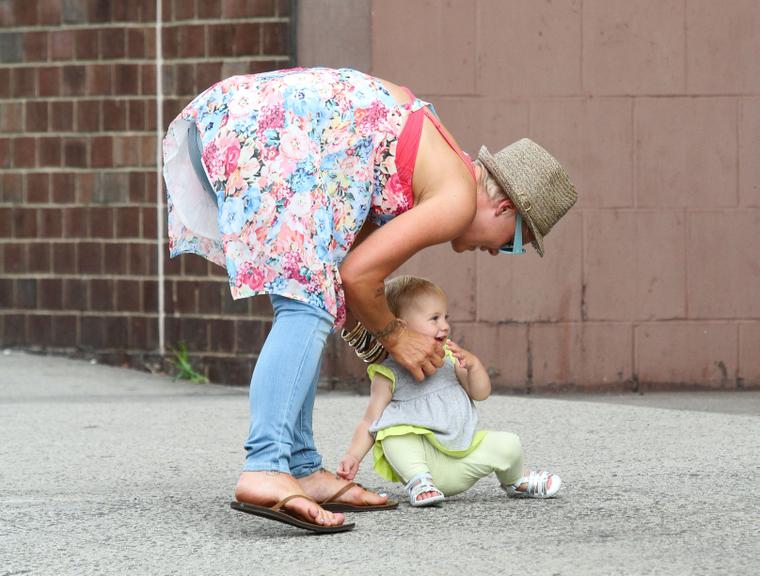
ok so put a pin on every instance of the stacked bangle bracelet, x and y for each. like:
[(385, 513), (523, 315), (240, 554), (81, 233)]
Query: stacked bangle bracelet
[(366, 346)]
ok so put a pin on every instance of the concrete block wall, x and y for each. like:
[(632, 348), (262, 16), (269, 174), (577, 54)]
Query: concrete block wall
[(653, 106), (79, 270)]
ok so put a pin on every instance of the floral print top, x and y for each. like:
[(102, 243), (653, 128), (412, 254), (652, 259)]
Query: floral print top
[(298, 159)]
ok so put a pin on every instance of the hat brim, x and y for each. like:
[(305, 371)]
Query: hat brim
[(488, 161)]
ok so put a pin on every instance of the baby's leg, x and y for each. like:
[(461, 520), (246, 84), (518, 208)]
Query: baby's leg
[(408, 455), (499, 452)]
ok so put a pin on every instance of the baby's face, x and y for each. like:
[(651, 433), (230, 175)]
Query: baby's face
[(428, 314)]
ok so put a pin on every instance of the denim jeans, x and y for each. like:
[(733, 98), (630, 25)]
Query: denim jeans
[(283, 389)]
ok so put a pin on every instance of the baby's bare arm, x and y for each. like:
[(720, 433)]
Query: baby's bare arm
[(471, 373), (380, 396)]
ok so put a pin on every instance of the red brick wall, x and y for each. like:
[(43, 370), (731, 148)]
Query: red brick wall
[(78, 137)]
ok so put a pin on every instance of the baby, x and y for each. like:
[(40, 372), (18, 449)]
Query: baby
[(425, 434)]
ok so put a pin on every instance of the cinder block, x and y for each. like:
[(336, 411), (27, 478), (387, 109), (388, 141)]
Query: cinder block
[(575, 355), (678, 354), (529, 48), (428, 46), (634, 265), (686, 152), (529, 288), (723, 273), (493, 122), (749, 354), (593, 139), (749, 158), (503, 349), (721, 38), (633, 47)]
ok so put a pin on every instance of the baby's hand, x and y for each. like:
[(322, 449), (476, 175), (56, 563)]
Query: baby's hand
[(465, 358), (348, 467)]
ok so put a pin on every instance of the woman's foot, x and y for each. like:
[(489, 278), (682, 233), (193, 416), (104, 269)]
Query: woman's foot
[(268, 488), (535, 485), (323, 484)]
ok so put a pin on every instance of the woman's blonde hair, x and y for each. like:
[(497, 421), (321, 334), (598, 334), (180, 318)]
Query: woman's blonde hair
[(401, 291), (489, 184)]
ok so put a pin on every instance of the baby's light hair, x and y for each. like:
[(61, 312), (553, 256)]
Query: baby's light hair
[(401, 291)]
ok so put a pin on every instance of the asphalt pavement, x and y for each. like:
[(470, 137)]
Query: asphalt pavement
[(112, 471)]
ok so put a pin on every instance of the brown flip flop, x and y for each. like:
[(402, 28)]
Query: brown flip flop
[(280, 514), (333, 505)]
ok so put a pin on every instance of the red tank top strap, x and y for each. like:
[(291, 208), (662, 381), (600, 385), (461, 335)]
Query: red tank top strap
[(443, 132)]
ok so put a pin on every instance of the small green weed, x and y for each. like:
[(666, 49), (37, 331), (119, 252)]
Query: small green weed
[(181, 363)]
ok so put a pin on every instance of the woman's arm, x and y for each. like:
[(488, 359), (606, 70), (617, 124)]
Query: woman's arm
[(438, 219), (362, 441)]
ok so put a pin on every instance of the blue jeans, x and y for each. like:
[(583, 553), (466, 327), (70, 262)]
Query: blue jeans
[(283, 389)]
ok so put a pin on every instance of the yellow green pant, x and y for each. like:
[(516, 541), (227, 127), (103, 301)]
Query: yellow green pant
[(498, 452)]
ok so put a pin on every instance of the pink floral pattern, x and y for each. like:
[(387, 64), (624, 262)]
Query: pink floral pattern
[(298, 159)]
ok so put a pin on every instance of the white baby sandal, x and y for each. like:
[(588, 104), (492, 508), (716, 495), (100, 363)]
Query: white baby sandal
[(421, 483), (539, 485)]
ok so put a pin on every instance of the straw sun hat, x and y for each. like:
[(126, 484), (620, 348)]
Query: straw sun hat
[(536, 183)]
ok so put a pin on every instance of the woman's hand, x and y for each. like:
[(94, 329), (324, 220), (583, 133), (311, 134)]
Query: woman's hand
[(348, 467), (421, 355)]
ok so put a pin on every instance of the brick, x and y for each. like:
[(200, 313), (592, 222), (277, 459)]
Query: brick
[(126, 151), (61, 45), (49, 12), (38, 258), (100, 80), (40, 330), (719, 42), (116, 332), (62, 116), (101, 294), (64, 258), (221, 39), (89, 258), (136, 43), (542, 56), (85, 187), (26, 293), (210, 297), (593, 140), (148, 78), (101, 152), (25, 222), (24, 82), (150, 296), (62, 188), (726, 284), (126, 79), (6, 293), (114, 115), (622, 39), (14, 258), (141, 258), (52, 223), (191, 41), (111, 187), (283, 7), (187, 297), (24, 152), (749, 143), (207, 74), (137, 327), (75, 222), (115, 259), (86, 44), (5, 82), (5, 152), (75, 294), (275, 38), (634, 265), (37, 116), (210, 9), (113, 44), (128, 222), (749, 359), (136, 115), (99, 10), (222, 335), (11, 47), (12, 117), (50, 294), (671, 175), (74, 80), (250, 336), (186, 82), (35, 46), (247, 8), (49, 80), (65, 330), (50, 152), (183, 10), (89, 115), (587, 356), (74, 152), (37, 188), (6, 222), (686, 353), (194, 333), (101, 222), (91, 332), (128, 293), (74, 11), (11, 188), (14, 330)]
